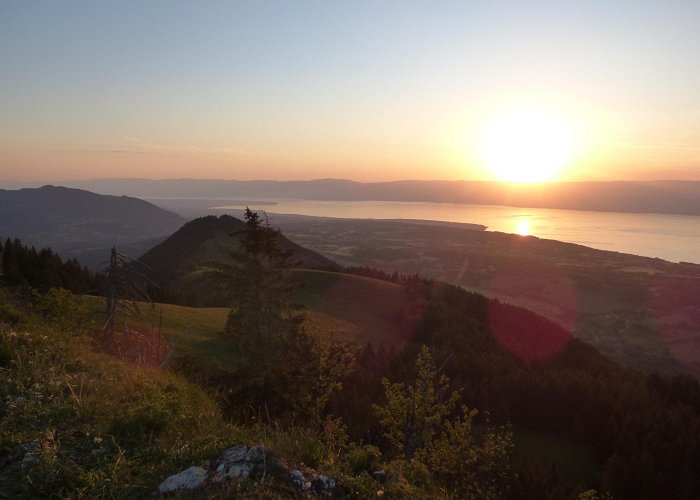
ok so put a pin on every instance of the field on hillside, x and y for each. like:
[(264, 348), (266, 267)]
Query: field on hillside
[(341, 306), (640, 311), (354, 307)]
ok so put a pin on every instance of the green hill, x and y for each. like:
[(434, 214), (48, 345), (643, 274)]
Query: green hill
[(563, 398), (180, 262), (106, 428)]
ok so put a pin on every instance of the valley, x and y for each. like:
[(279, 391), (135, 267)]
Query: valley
[(641, 311), (560, 397)]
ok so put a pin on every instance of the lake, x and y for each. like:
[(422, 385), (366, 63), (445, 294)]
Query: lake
[(669, 237)]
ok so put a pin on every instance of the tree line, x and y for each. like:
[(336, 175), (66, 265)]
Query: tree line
[(23, 266)]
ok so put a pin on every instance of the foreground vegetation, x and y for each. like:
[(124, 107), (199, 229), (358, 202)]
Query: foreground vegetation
[(99, 427), (387, 415), (77, 423)]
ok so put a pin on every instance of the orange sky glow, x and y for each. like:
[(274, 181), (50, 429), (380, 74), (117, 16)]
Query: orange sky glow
[(375, 91)]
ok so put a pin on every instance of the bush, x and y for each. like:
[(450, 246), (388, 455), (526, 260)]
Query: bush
[(63, 310), (364, 458), (9, 314)]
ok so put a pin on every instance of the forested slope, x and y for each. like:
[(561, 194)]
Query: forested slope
[(518, 367)]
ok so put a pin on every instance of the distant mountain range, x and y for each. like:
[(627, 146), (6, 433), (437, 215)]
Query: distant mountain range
[(668, 197), (83, 225)]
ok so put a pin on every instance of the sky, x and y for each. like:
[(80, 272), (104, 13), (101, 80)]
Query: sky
[(364, 90)]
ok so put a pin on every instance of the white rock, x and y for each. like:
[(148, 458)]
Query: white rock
[(298, 479), (25, 453), (188, 479)]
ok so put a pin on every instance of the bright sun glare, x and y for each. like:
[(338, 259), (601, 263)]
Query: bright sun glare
[(527, 145), (523, 228)]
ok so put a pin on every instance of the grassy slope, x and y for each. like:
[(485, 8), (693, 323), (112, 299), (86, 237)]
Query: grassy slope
[(104, 428), (351, 308), (358, 309)]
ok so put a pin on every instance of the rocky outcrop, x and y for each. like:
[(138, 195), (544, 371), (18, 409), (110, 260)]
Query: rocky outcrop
[(247, 462), (188, 479), (297, 478), (321, 485), (240, 461)]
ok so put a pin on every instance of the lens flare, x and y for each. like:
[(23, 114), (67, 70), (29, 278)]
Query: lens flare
[(541, 288)]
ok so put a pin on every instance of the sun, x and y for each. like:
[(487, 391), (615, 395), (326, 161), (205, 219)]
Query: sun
[(527, 145)]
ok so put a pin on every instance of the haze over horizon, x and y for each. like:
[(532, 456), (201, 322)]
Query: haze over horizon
[(369, 91)]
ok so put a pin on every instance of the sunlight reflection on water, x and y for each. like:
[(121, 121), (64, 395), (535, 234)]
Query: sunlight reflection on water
[(523, 228), (670, 237)]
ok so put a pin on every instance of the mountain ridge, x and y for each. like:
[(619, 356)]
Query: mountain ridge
[(81, 224), (663, 196)]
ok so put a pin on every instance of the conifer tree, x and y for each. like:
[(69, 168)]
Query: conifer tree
[(263, 318), (282, 366)]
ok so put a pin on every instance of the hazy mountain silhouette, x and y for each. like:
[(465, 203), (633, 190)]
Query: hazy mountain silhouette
[(80, 224), (676, 197)]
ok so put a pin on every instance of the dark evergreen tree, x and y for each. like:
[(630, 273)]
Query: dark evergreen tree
[(282, 366), (263, 317)]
